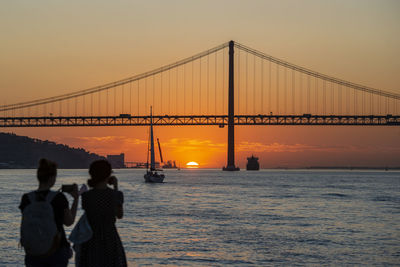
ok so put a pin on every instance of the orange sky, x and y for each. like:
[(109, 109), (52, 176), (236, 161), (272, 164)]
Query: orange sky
[(50, 48)]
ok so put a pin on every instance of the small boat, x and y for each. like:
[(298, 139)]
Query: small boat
[(153, 175)]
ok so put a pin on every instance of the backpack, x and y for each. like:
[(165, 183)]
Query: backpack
[(39, 233)]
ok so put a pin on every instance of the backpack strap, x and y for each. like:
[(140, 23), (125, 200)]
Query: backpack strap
[(32, 196), (50, 196)]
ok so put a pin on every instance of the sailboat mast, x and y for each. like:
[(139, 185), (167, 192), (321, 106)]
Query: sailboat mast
[(159, 148), (148, 152), (152, 158)]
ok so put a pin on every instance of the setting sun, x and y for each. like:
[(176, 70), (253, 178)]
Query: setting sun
[(192, 164)]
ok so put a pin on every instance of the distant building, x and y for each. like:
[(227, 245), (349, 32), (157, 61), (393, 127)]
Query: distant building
[(117, 161), (170, 165)]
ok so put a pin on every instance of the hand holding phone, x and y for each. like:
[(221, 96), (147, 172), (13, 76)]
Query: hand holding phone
[(71, 189), (68, 188), (113, 181), (83, 189)]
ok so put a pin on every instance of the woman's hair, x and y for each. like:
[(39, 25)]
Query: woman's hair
[(99, 171), (46, 170)]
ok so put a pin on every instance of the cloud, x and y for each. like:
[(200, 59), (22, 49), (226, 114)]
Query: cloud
[(187, 144), (105, 139), (119, 144), (274, 147), (280, 147), (103, 144), (113, 139)]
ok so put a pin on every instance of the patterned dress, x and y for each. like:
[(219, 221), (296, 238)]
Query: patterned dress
[(105, 247)]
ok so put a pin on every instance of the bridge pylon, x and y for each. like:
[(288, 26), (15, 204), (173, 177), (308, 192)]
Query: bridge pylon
[(231, 114)]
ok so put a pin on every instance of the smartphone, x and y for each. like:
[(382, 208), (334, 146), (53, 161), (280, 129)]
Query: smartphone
[(111, 180), (83, 189), (67, 188)]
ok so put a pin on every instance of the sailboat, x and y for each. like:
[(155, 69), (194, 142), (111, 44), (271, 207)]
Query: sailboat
[(153, 175)]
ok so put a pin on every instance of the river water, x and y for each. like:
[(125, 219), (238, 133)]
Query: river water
[(204, 217)]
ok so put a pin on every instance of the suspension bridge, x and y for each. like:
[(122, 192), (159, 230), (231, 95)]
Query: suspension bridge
[(228, 85)]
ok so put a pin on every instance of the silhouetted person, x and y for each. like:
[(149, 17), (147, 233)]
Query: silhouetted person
[(42, 234), (102, 205)]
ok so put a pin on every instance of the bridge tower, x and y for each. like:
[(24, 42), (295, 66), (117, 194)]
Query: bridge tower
[(231, 113)]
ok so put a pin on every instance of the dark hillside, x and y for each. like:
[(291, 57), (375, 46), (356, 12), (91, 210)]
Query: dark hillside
[(24, 152)]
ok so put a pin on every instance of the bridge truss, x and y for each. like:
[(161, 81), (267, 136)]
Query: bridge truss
[(192, 120)]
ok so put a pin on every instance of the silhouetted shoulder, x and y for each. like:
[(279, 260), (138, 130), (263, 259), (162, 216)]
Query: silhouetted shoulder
[(120, 197), (24, 202), (59, 202)]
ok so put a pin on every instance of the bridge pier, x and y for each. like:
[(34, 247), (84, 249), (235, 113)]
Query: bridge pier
[(231, 114)]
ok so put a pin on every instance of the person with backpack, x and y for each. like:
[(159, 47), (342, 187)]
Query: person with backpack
[(44, 214)]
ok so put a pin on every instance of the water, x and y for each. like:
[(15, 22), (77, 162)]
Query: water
[(214, 218)]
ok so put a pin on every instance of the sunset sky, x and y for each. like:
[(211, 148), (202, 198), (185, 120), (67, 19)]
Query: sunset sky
[(50, 48)]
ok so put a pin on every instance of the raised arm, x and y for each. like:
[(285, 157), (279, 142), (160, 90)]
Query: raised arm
[(119, 213), (70, 213)]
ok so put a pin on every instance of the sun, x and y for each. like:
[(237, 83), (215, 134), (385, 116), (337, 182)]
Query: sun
[(192, 164)]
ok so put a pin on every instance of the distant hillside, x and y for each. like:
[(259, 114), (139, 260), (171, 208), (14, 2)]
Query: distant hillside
[(24, 152)]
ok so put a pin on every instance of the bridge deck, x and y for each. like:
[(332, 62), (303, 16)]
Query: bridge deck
[(219, 120)]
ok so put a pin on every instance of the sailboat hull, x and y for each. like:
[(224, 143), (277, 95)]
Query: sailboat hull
[(151, 177)]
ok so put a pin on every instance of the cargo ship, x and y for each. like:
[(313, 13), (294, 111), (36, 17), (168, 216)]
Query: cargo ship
[(252, 164)]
